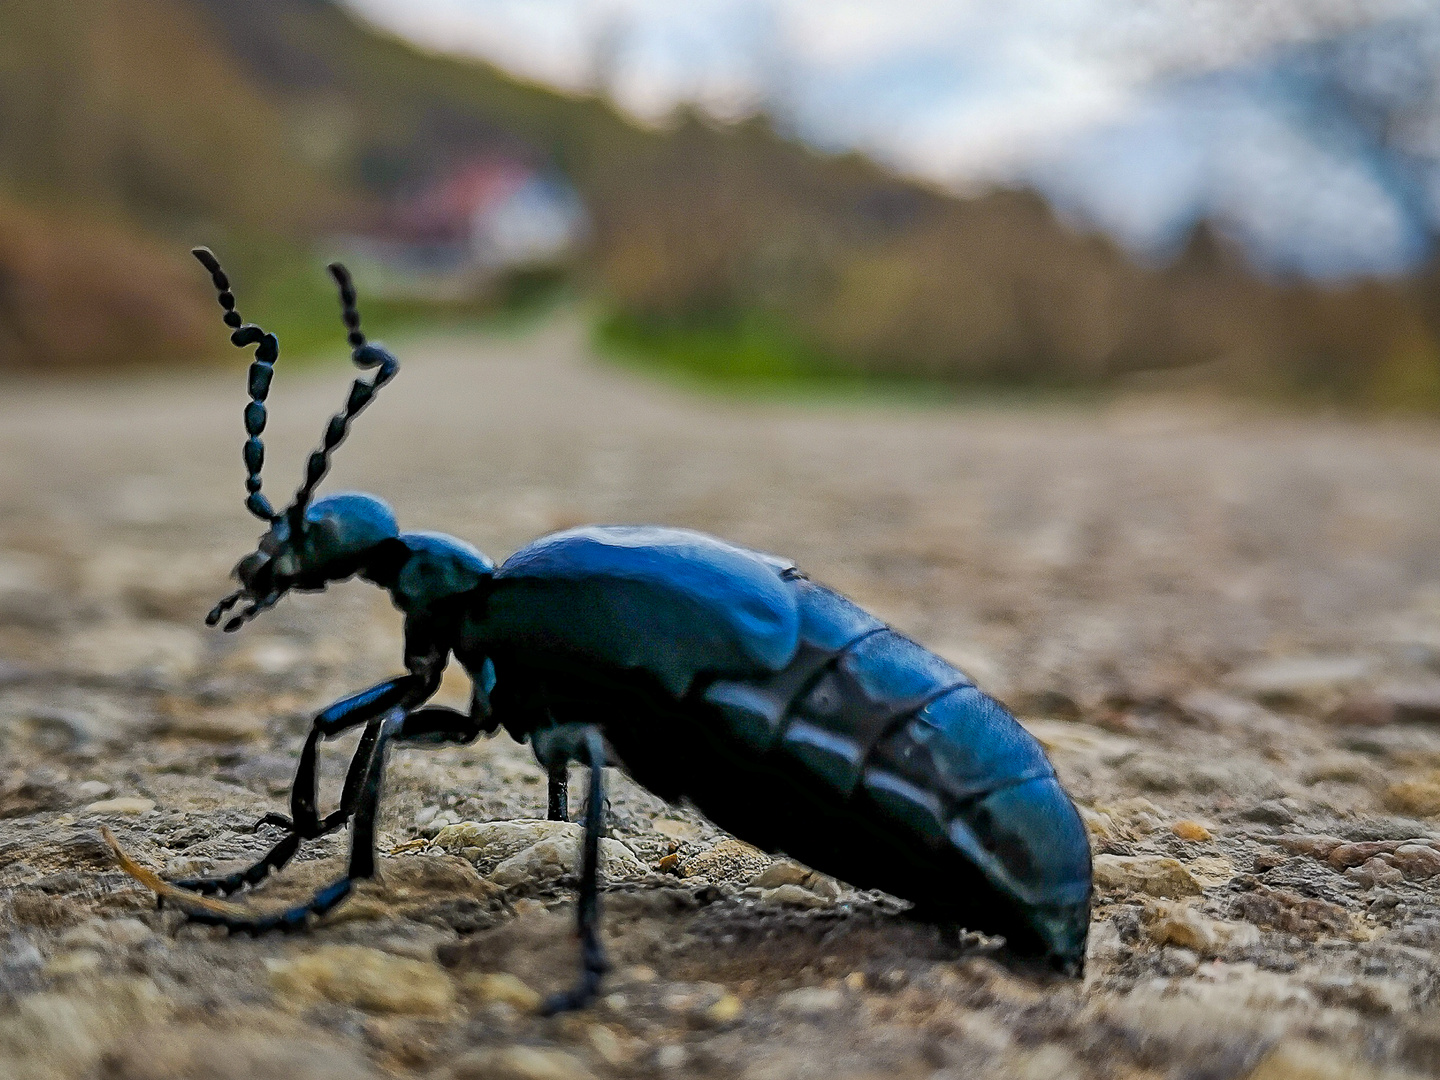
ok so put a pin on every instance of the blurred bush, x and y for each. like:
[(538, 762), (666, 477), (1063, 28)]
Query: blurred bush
[(77, 294)]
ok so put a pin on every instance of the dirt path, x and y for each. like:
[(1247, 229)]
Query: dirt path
[(1226, 628)]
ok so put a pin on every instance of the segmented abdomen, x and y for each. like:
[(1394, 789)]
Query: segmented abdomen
[(924, 762)]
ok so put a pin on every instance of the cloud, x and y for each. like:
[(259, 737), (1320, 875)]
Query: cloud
[(1309, 130)]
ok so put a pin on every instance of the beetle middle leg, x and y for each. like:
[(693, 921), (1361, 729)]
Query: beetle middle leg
[(557, 747)]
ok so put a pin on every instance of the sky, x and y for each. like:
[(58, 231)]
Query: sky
[(1306, 130)]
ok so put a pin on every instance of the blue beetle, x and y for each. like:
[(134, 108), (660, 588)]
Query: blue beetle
[(804, 724)]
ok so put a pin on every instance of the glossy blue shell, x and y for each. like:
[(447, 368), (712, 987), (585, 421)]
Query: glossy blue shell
[(438, 566), (671, 602)]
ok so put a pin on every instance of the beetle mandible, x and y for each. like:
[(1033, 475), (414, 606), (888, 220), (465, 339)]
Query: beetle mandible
[(805, 724)]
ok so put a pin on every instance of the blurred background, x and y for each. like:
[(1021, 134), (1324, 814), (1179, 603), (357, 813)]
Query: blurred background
[(1237, 195)]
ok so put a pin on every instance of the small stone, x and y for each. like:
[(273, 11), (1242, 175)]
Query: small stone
[(608, 1045), (781, 872), (487, 987), (1418, 862), (729, 860), (675, 829), (496, 841), (126, 931), (559, 856), (1187, 829), (725, 1011), (671, 1056), (1419, 797), (791, 896), (1178, 924), (810, 1001), (365, 978), (1369, 997), (1156, 875), (1376, 871), (126, 804), (1345, 855), (92, 790), (1270, 812), (1318, 847), (534, 851), (520, 1063), (855, 981), (1179, 962), (1281, 909)]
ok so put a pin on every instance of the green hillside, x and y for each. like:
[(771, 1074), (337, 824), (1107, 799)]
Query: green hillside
[(264, 126)]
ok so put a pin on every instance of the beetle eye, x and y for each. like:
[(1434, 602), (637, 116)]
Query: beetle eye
[(249, 566)]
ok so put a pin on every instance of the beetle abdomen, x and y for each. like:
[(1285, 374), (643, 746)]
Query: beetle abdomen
[(907, 741)]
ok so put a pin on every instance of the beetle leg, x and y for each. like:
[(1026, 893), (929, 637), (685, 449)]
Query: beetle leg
[(305, 822), (586, 745), (559, 800), (432, 726), (303, 793), (362, 851)]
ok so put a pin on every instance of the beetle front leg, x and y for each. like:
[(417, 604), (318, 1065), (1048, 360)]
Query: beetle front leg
[(427, 727), (304, 822)]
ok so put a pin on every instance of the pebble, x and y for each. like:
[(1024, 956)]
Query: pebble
[(1178, 924), (671, 1056), (1270, 812), (495, 841), (725, 1010), (729, 860), (1403, 703), (365, 978), (559, 856), (1319, 847), (810, 1001), (126, 804), (532, 850), (487, 987), (1420, 797), (1418, 862), (1376, 871), (790, 896), (520, 1063), (1190, 830), (1155, 875)]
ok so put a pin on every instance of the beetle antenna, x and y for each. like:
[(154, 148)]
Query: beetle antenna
[(365, 356), (261, 370)]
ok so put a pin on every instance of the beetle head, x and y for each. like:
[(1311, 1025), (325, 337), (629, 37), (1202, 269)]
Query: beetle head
[(338, 536)]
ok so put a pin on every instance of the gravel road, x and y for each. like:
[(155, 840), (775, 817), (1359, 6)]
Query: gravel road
[(1224, 625)]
